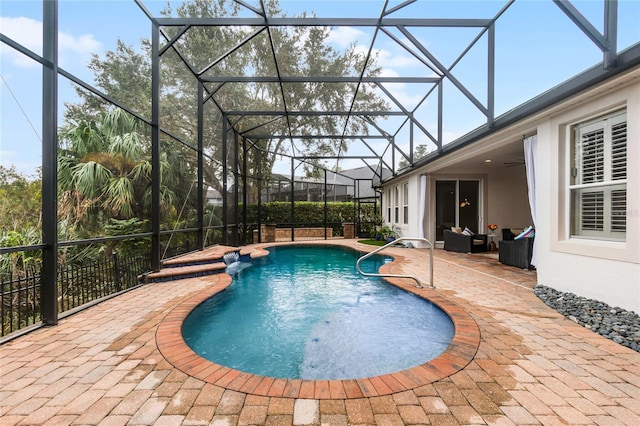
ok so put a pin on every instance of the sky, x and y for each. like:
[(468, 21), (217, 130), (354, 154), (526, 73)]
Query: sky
[(537, 47)]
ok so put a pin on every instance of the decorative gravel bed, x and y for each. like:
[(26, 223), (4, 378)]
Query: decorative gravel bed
[(617, 324)]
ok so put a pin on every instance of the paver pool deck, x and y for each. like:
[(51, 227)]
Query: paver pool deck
[(103, 365)]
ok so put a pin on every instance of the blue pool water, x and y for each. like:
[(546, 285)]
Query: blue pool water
[(304, 312)]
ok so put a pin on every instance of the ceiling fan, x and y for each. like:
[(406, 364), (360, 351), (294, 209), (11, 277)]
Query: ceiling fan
[(516, 163)]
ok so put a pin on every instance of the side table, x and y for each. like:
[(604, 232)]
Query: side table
[(492, 245)]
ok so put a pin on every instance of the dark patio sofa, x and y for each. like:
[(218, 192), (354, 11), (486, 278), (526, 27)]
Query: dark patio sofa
[(463, 243)]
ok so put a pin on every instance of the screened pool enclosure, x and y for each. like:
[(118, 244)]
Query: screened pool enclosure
[(231, 115)]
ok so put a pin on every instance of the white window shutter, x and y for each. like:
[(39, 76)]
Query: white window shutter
[(619, 151), (591, 154), (599, 194), (592, 211)]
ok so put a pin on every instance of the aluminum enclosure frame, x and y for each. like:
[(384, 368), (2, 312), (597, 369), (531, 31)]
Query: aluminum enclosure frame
[(385, 24)]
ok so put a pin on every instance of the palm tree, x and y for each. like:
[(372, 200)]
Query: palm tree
[(104, 172)]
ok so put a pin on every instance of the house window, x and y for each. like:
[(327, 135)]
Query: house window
[(405, 203), (599, 178), (396, 204), (389, 205)]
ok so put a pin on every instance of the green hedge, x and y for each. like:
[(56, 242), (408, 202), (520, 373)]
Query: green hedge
[(279, 212), (308, 213)]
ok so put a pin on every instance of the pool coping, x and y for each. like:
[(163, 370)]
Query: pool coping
[(458, 355)]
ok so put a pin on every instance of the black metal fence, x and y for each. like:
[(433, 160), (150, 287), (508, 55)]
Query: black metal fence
[(77, 286)]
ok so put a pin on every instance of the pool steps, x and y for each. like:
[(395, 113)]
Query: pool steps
[(207, 262), (181, 272)]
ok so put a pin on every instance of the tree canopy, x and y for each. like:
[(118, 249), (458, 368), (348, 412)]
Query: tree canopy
[(419, 152), (125, 75), (20, 199)]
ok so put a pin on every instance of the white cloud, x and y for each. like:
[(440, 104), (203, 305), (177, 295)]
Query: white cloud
[(28, 32), (398, 59), (82, 45), (344, 36), (393, 63), (407, 94)]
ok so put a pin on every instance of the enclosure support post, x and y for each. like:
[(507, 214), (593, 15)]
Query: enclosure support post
[(49, 287), (411, 157), (293, 202), (200, 237), (155, 147), (491, 73), (245, 228), (440, 108), (259, 152), (355, 208), (225, 218), (325, 203), (611, 34), (378, 207), (358, 209), (236, 193), (393, 155)]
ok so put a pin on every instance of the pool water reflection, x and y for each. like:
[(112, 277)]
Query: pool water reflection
[(304, 312)]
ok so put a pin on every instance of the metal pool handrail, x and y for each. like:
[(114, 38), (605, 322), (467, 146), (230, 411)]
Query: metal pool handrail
[(418, 283)]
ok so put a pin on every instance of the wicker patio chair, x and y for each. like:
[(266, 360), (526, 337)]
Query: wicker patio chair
[(516, 252), (461, 243)]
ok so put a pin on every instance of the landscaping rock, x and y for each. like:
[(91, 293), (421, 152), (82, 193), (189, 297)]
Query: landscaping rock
[(614, 323)]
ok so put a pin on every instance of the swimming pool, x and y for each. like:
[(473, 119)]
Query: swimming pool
[(304, 312)]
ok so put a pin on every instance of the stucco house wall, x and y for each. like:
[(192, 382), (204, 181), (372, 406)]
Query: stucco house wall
[(603, 270), (507, 201), (409, 229), (608, 271)]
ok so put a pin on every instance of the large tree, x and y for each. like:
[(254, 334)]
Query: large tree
[(125, 75)]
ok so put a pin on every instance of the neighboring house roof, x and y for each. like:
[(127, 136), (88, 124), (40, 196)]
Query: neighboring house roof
[(365, 176), (367, 180)]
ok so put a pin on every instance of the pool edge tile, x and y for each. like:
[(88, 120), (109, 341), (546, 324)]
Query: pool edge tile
[(322, 390), (292, 388), (456, 357), (277, 388), (307, 389), (337, 390)]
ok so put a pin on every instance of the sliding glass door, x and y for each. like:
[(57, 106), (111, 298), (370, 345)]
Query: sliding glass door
[(457, 204)]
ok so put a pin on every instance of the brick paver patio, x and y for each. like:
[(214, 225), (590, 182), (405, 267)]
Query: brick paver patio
[(102, 366)]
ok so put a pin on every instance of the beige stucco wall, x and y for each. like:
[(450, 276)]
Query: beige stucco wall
[(410, 229), (602, 270), (507, 199)]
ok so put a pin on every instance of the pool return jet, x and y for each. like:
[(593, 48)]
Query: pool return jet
[(396, 241)]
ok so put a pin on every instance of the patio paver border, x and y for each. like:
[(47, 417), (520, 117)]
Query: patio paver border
[(458, 354)]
